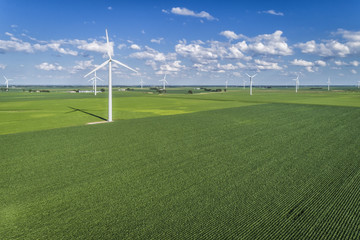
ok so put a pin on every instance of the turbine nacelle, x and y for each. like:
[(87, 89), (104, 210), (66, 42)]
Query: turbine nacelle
[(251, 76)]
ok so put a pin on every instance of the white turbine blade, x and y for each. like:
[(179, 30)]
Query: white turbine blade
[(116, 61), (248, 75), (254, 75), (7, 79), (166, 82), (108, 44), (99, 78), (97, 68)]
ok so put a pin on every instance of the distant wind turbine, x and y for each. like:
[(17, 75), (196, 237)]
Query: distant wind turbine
[(244, 82), (164, 81), (296, 83), (109, 61), (251, 77), (7, 82), (93, 80), (358, 84), (328, 82), (141, 83), (226, 83)]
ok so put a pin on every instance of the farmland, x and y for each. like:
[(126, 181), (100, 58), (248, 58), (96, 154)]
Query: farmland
[(178, 166)]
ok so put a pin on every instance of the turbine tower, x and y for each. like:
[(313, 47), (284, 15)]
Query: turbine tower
[(244, 81), (164, 81), (296, 83), (7, 82), (226, 83), (109, 61), (251, 77), (141, 83), (93, 80), (328, 82), (358, 84)]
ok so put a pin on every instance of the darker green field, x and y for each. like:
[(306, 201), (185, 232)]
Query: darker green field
[(274, 166)]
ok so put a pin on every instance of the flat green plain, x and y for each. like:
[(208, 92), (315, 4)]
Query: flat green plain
[(275, 165)]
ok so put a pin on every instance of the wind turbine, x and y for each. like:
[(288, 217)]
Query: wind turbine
[(109, 61), (141, 83), (7, 82), (328, 82), (358, 84), (251, 77), (296, 83), (244, 81), (226, 83), (93, 80), (164, 81)]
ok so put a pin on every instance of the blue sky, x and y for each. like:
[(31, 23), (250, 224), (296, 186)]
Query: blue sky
[(193, 42)]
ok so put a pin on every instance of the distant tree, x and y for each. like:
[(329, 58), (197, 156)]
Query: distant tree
[(102, 90), (161, 91), (190, 92)]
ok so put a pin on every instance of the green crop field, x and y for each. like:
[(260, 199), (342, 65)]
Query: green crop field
[(275, 165)]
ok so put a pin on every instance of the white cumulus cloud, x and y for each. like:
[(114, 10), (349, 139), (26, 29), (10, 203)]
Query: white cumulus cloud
[(264, 65), (135, 47), (300, 62), (152, 54), (308, 65), (49, 66), (348, 44), (232, 35), (82, 65), (320, 63), (355, 63), (273, 12), (171, 67), (265, 44), (157, 40), (95, 46), (187, 12)]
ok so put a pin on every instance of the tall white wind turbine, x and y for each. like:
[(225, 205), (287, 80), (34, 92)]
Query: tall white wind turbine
[(141, 83), (7, 82), (109, 61), (328, 82), (251, 77), (296, 83), (164, 81), (226, 83), (93, 80)]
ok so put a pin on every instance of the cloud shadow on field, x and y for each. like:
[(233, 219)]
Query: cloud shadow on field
[(83, 111)]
